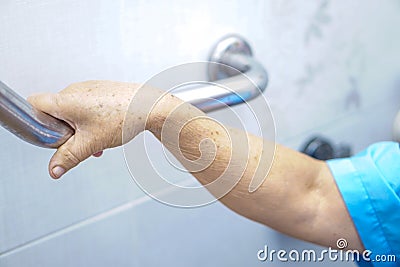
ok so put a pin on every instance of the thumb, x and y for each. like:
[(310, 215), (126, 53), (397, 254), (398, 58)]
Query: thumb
[(67, 156), (47, 102)]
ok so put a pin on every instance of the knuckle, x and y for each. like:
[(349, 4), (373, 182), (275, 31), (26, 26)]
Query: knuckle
[(69, 156)]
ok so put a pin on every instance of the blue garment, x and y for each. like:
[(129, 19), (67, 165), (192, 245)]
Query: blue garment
[(370, 186)]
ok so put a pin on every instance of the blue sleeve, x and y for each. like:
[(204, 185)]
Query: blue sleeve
[(369, 183)]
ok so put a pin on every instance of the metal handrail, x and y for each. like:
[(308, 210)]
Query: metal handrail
[(29, 124), (40, 129)]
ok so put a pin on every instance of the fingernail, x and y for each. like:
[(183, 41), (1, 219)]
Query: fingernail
[(58, 171)]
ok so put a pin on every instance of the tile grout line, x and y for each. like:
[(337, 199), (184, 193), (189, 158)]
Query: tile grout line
[(90, 220)]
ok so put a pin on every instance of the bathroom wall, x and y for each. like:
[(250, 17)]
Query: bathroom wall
[(334, 69)]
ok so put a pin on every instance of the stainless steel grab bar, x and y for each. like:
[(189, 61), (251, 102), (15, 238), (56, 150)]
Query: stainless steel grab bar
[(235, 58), (29, 124), (233, 52)]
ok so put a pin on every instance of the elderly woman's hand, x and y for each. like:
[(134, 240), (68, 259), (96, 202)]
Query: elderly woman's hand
[(96, 111)]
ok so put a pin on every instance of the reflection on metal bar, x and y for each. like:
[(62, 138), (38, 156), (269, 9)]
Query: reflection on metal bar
[(231, 86), (38, 128), (230, 91), (29, 124)]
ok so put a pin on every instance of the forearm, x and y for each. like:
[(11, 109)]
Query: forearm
[(298, 196), (293, 197)]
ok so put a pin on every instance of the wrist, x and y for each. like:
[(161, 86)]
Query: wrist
[(161, 109)]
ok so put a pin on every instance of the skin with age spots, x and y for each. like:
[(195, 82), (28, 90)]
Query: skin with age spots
[(299, 196), (103, 108)]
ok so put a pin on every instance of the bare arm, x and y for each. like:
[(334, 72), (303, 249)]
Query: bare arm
[(298, 197)]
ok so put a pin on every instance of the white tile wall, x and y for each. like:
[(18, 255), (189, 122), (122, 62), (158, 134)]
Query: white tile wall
[(211, 236), (334, 69)]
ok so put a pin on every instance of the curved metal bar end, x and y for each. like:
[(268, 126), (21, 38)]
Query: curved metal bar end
[(231, 44)]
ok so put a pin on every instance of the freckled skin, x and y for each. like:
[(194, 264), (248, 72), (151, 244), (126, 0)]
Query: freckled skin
[(298, 197), (90, 108)]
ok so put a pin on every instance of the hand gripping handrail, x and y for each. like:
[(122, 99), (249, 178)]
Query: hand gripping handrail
[(29, 124), (40, 129)]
